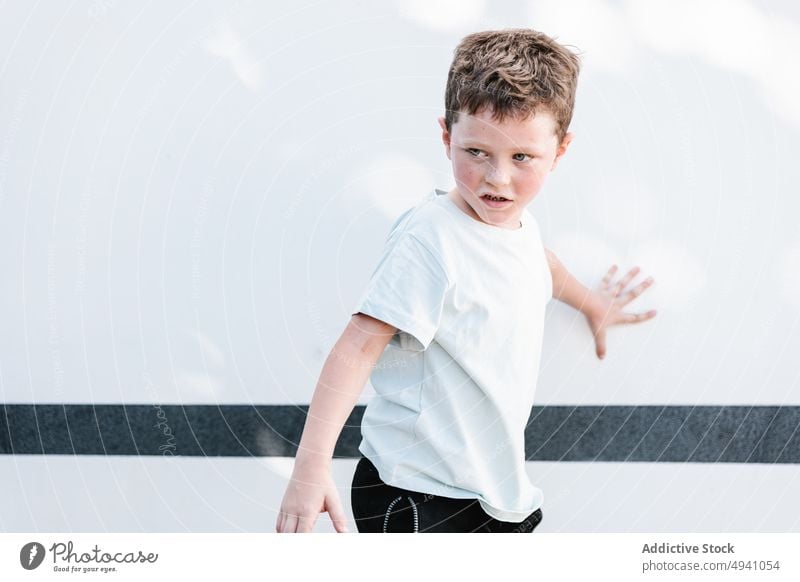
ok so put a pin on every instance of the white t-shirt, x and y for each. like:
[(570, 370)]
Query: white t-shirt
[(454, 387)]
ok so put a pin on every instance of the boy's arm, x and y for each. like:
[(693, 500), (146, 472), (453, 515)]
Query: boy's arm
[(602, 308), (341, 381), (311, 489)]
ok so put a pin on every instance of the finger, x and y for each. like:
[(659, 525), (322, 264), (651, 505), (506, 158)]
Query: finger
[(305, 523), (336, 514), (639, 317), (600, 344), (636, 291), (279, 522), (290, 524), (625, 280), (607, 277)]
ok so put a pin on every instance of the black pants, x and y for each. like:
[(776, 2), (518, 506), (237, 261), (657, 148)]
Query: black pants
[(382, 508)]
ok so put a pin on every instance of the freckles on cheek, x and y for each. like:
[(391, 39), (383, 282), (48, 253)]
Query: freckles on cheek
[(467, 175)]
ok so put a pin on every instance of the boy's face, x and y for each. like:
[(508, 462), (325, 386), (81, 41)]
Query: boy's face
[(508, 159)]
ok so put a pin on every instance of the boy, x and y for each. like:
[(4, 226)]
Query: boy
[(450, 325)]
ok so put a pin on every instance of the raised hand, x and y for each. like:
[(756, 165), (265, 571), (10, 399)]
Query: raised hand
[(608, 302)]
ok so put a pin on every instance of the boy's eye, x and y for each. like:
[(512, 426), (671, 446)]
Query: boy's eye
[(476, 153)]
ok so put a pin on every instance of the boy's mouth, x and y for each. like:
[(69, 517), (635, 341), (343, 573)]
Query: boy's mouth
[(495, 201)]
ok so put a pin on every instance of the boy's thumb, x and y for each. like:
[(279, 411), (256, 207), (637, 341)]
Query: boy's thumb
[(600, 345), (336, 513)]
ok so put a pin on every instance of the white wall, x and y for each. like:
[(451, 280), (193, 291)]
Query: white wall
[(194, 494)]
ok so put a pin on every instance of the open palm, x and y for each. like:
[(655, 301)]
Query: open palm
[(610, 299)]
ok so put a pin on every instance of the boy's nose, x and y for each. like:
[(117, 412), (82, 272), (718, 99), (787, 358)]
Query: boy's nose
[(496, 175)]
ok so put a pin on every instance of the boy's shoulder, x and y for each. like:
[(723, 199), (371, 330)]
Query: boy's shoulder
[(422, 219), (424, 225)]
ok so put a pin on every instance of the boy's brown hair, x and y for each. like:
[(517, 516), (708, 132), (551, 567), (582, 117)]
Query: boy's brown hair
[(516, 72)]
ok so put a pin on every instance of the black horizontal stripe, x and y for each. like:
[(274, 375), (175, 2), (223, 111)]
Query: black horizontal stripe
[(698, 434)]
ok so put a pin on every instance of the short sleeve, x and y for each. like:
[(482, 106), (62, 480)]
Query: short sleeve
[(407, 289)]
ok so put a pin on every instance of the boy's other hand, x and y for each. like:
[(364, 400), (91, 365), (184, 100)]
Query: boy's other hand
[(607, 303), (310, 492)]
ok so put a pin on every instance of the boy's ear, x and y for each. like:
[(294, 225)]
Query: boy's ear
[(445, 136), (562, 149)]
